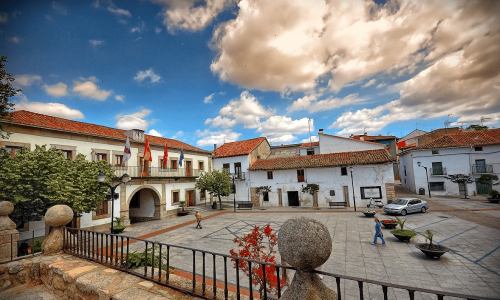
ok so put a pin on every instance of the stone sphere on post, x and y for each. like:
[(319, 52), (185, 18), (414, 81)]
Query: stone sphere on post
[(57, 216), (8, 232), (6, 208), (305, 244)]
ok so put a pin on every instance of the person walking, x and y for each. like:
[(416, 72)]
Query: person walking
[(198, 219), (378, 232)]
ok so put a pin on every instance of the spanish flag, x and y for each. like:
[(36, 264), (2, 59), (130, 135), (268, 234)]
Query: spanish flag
[(147, 152), (165, 156)]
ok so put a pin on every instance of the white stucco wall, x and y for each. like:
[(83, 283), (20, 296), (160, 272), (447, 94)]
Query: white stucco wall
[(242, 186), (327, 179), (303, 150), (332, 144), (36, 227)]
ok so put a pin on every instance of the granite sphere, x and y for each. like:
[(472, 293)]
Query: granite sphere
[(304, 243), (6, 208), (58, 215)]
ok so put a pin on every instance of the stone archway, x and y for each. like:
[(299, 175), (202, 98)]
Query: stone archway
[(144, 204)]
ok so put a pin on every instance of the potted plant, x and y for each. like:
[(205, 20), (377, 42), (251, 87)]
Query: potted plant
[(494, 196), (429, 249), (403, 234), (389, 224), (118, 228), (182, 212), (369, 213)]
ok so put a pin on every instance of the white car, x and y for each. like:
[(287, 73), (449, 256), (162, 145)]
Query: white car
[(404, 206)]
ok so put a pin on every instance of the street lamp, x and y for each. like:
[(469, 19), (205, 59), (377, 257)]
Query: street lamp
[(427, 176), (352, 182), (234, 192), (124, 179)]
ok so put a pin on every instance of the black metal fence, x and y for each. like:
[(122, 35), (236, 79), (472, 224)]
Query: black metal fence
[(114, 250), (21, 245)]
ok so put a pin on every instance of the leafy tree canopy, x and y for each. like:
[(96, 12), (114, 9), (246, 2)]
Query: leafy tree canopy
[(36, 180), (310, 188), (488, 179), (6, 91), (460, 178), (216, 183), (263, 189)]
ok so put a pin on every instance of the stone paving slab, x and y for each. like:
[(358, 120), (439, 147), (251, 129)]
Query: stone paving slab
[(39, 292)]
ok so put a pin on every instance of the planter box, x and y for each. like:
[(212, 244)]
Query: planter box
[(403, 238), (182, 213), (116, 231), (493, 200), (431, 253), (390, 225), (369, 215)]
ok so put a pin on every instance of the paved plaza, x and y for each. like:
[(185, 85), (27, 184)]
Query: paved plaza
[(472, 267)]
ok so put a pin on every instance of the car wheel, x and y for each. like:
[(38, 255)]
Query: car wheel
[(423, 209), (403, 212)]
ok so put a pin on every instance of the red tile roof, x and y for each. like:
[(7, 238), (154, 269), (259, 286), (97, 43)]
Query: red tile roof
[(313, 144), (374, 137), (44, 121), (464, 139), (238, 148), (367, 157)]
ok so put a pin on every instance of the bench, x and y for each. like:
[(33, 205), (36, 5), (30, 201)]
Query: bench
[(338, 204), (246, 205)]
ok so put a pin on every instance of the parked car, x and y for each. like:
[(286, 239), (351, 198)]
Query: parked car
[(404, 206)]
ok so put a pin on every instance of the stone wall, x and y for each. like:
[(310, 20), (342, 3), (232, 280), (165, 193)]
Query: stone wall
[(390, 192)]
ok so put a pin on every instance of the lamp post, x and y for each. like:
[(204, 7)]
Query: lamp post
[(352, 182), (234, 192), (427, 176), (124, 179)]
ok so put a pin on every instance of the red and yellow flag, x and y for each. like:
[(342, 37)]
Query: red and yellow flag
[(165, 156), (147, 152)]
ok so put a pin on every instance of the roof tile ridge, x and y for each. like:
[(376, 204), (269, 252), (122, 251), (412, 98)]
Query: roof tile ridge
[(341, 137)]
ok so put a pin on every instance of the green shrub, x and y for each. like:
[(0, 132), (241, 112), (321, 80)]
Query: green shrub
[(37, 244), (140, 259), (493, 193), (405, 232)]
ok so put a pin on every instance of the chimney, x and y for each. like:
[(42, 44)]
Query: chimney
[(320, 131), (362, 137), (215, 147)]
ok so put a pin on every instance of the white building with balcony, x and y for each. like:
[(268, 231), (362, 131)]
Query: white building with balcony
[(467, 152), (155, 189)]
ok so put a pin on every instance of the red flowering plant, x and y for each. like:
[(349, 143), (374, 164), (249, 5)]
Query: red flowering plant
[(259, 245), (389, 221)]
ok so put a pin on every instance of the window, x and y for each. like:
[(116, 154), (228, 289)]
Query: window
[(173, 164), (203, 195), (136, 201), (102, 209), (175, 197), (201, 166), (478, 148), (13, 150), (226, 167), (405, 172), (343, 171), (237, 169), (310, 151), (266, 197), (300, 175), (437, 168), (269, 174), (436, 186), (480, 166), (97, 157), (162, 164), (118, 160), (435, 151), (368, 192)]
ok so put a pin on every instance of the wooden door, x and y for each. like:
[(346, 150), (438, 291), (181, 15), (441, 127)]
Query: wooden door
[(462, 188), (188, 168), (345, 188), (190, 198)]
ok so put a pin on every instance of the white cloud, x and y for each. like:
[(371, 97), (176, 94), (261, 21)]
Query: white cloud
[(157, 29), (281, 125), (371, 82), (216, 137), (142, 75), (133, 121), (314, 138), (96, 43), (27, 80), (119, 11), (119, 98), (221, 122), (178, 135), (88, 89), (139, 28), (380, 85), (311, 103), (488, 119), (208, 99), (57, 90), (154, 133), (59, 8), (95, 4), (247, 110), (190, 14), (15, 40), (282, 139), (51, 109)]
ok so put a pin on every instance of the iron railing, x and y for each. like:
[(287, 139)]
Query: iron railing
[(20, 248), (482, 168), (438, 171), (239, 175), (137, 171), (108, 249)]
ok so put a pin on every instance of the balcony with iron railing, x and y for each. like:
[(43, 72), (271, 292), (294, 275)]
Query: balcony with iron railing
[(438, 172), (482, 169), (239, 175), (141, 172)]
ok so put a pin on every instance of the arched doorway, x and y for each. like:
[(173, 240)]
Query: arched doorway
[(144, 205)]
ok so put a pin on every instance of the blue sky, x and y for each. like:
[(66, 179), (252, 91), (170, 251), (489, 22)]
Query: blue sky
[(223, 70)]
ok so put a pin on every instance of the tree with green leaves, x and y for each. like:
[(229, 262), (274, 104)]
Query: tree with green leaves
[(217, 183), (477, 127), (262, 190), (460, 179), (36, 180), (488, 179), (6, 91)]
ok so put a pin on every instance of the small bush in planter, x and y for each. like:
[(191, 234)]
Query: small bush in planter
[(119, 227), (390, 224), (430, 246), (494, 194), (141, 259), (369, 213), (402, 231), (182, 204)]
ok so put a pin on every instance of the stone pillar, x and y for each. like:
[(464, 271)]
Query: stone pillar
[(124, 208), (280, 198), (57, 216), (315, 199), (390, 192), (305, 244), (8, 232)]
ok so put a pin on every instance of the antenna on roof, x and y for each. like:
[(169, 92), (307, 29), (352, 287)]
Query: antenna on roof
[(310, 138), (269, 138), (482, 120)]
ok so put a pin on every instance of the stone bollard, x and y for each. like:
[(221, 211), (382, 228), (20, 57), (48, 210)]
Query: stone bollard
[(57, 216), (305, 244), (8, 233)]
